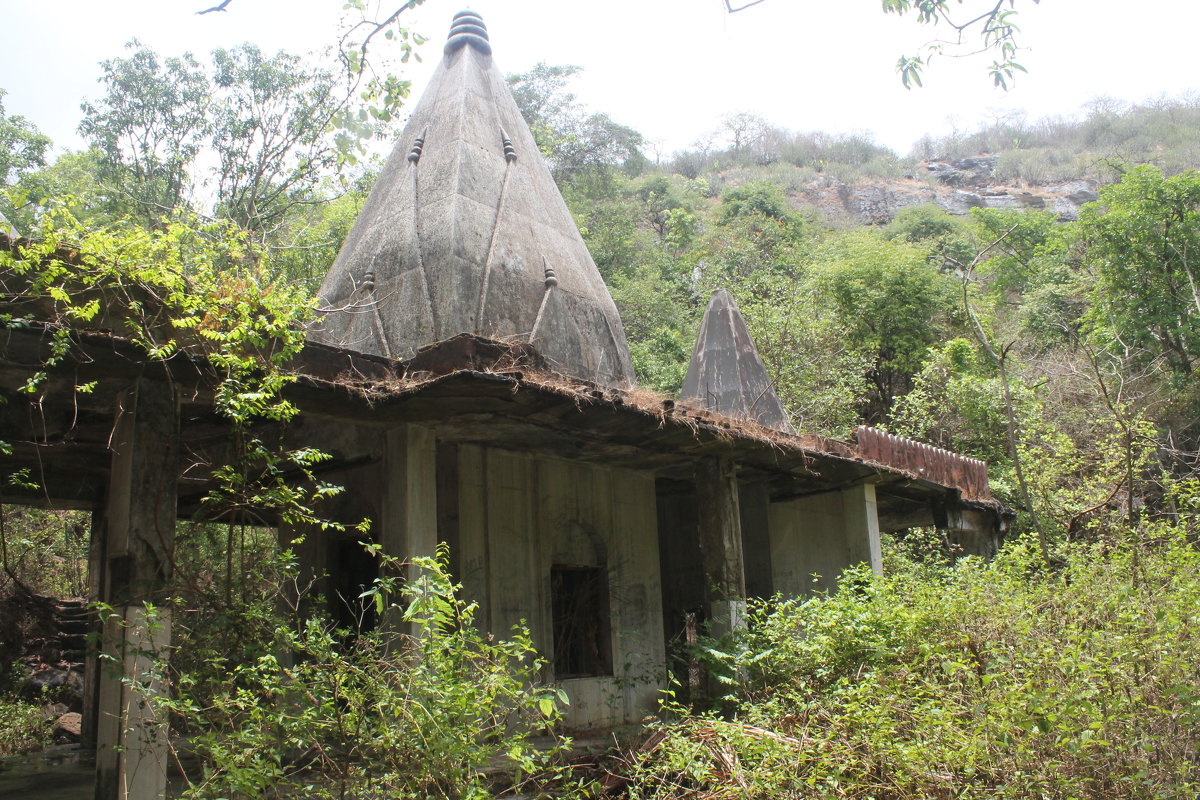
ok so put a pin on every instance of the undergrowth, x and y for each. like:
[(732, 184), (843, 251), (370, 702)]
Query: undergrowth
[(431, 709), (973, 680), (23, 728)]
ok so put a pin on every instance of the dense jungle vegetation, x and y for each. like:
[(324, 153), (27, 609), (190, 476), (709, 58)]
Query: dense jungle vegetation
[(1061, 352)]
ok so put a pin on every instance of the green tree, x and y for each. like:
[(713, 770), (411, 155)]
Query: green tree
[(936, 227), (671, 205), (22, 149), (756, 230), (988, 27), (1141, 243), (545, 100), (1028, 246), (573, 140), (149, 127), (758, 198), (305, 241), (268, 123), (660, 316), (272, 120), (892, 305), (819, 375), (76, 180)]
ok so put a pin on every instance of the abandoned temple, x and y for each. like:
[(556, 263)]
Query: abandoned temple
[(470, 377)]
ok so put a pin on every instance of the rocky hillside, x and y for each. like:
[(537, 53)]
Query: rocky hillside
[(957, 186)]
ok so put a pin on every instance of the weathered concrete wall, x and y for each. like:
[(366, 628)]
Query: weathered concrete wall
[(820, 535), (509, 518), (519, 515), (973, 533)]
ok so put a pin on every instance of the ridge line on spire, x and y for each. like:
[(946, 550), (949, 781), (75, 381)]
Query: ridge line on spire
[(537, 321), (491, 251), (377, 318), (500, 206), (416, 240)]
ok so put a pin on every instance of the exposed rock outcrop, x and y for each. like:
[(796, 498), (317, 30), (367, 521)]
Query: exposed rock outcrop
[(957, 186), (975, 171)]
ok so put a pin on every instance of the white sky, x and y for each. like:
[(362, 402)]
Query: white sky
[(668, 68)]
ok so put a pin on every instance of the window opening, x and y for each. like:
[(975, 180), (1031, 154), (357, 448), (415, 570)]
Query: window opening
[(582, 637)]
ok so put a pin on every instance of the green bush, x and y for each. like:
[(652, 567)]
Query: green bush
[(973, 680), (322, 712), (22, 727), (1041, 165), (43, 550)]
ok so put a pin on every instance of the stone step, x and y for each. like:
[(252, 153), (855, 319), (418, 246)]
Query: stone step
[(72, 627)]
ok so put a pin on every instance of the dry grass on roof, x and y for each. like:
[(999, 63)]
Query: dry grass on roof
[(658, 405)]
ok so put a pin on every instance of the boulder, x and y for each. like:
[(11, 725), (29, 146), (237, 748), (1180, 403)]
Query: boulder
[(60, 685), (68, 727)]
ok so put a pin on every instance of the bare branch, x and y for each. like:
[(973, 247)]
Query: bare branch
[(376, 27)]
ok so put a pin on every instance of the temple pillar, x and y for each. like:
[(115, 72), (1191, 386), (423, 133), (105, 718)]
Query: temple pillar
[(91, 668), (720, 535), (134, 554), (860, 519), (409, 514)]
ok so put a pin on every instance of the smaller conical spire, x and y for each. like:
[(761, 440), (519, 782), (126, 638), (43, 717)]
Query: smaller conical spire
[(726, 375)]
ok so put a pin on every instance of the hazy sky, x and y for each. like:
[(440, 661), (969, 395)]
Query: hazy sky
[(669, 68)]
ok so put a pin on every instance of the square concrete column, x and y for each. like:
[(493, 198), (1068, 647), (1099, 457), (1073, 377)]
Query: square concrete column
[(409, 512), (91, 669), (816, 537), (860, 520), (134, 557), (720, 529)]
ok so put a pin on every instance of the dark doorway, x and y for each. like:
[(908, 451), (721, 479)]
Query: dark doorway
[(582, 632), (354, 572)]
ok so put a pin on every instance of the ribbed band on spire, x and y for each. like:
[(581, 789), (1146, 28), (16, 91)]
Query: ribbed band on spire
[(468, 28)]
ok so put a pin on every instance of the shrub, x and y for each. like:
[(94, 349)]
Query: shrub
[(44, 551), (322, 713), (22, 727), (968, 681)]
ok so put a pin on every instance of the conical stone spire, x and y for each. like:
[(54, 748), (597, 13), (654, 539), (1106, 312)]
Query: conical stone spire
[(465, 232), (726, 375)]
